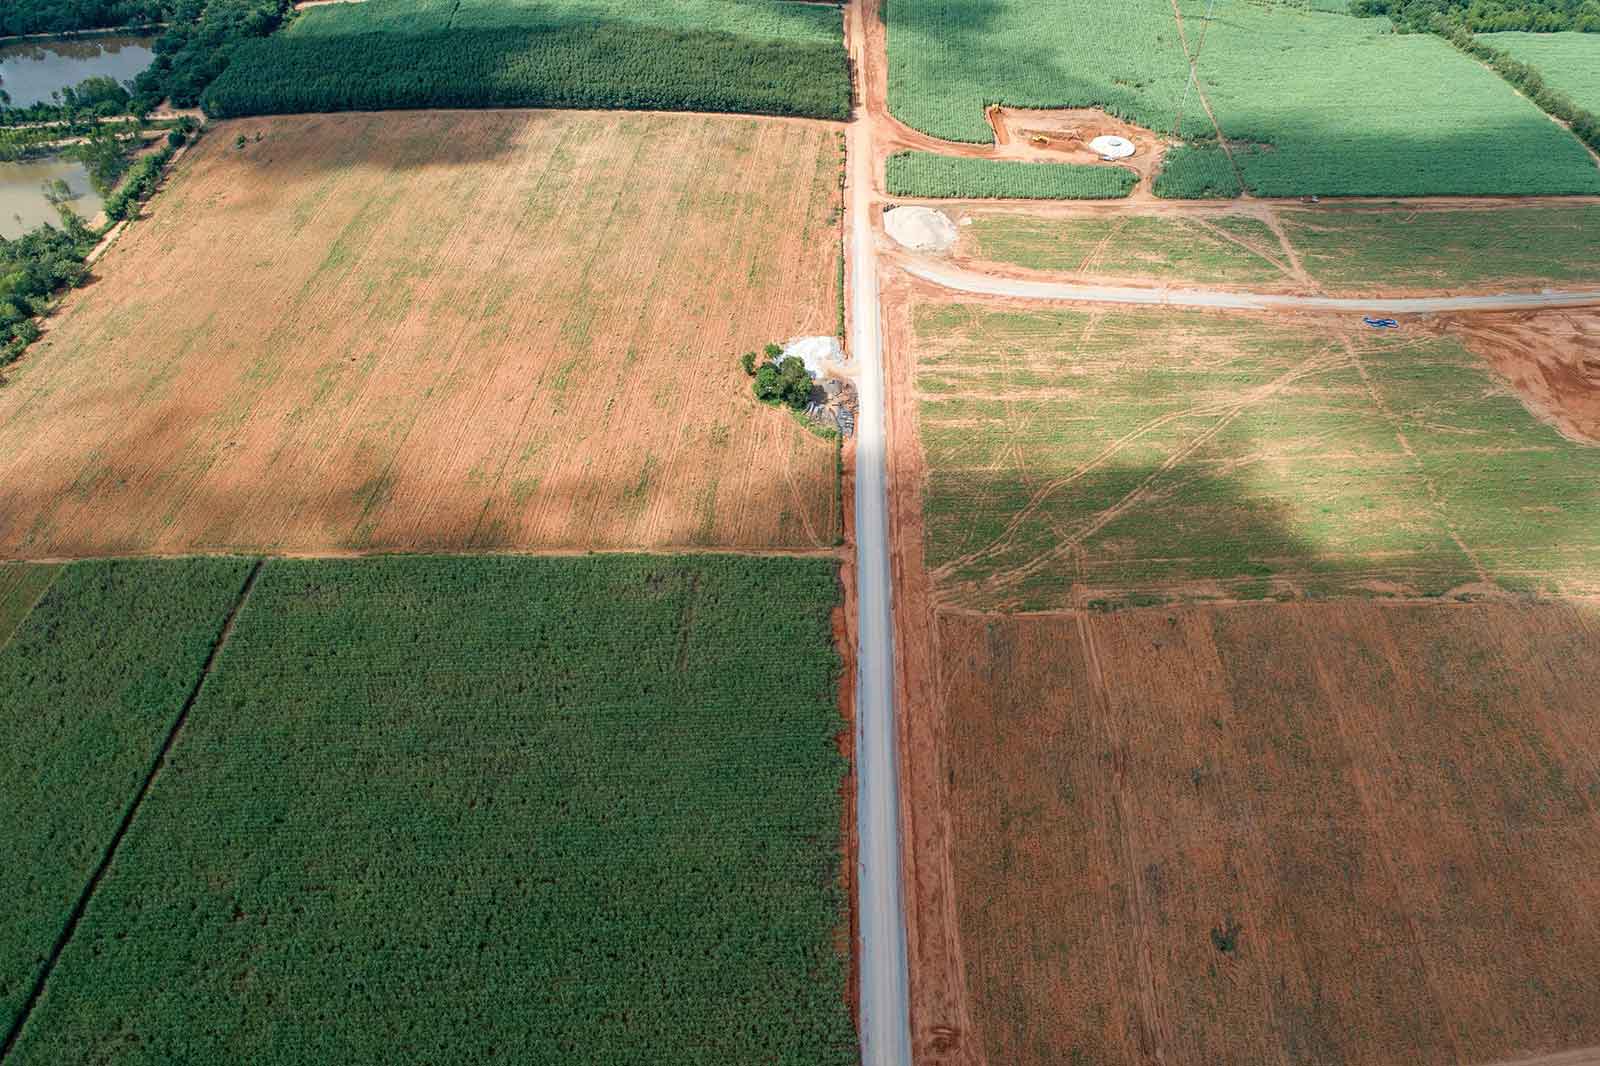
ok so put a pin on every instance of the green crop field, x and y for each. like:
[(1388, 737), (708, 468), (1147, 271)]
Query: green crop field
[(1373, 248), (1138, 457), (947, 62), (1284, 85), (486, 809), (1568, 62), (930, 175), (1343, 248), (1223, 248), (90, 683), (762, 56), (1283, 81)]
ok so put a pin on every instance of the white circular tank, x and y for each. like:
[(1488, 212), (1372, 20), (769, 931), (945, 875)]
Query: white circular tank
[(1112, 147)]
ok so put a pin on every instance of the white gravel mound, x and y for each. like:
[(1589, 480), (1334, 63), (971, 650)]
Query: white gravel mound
[(922, 229), (818, 353)]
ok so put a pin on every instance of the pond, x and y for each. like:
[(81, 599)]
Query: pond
[(31, 70), (23, 204)]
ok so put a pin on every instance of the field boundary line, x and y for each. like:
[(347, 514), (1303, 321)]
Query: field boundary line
[(128, 815), (829, 552)]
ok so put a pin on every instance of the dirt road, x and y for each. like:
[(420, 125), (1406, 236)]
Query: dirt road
[(959, 280)]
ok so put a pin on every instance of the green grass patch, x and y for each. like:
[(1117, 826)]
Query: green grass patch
[(1388, 247), (1568, 62), (90, 683), (1129, 454), (1226, 248), (760, 56), (928, 174), (487, 809)]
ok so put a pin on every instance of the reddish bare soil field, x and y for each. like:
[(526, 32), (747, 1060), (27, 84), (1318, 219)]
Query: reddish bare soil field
[(1355, 833), (485, 330)]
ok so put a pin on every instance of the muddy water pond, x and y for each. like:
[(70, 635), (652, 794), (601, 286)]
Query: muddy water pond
[(31, 70), (23, 204)]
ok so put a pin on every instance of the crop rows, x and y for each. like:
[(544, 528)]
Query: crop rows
[(89, 685), (928, 174), (758, 56), (487, 809)]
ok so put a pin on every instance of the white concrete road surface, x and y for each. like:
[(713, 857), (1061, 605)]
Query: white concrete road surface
[(959, 280), (885, 985)]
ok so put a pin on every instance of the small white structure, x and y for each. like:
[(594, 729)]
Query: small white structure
[(817, 353), (1109, 147), (922, 229)]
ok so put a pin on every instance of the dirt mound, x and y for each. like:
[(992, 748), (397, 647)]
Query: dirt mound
[(1552, 358), (922, 229)]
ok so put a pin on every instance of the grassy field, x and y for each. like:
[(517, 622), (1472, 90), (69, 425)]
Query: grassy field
[(1342, 248), (763, 56), (1236, 249), (1376, 248), (1280, 80), (1353, 833), (1102, 458), (442, 330), (462, 810), (927, 174), (1568, 62), (90, 684)]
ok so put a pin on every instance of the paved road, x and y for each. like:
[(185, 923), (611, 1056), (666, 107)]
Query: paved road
[(885, 988), (955, 278)]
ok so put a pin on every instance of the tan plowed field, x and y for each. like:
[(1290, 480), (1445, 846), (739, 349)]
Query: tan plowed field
[(486, 330), (1354, 833)]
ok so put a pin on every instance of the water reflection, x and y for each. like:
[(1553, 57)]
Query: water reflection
[(31, 70), (23, 203)]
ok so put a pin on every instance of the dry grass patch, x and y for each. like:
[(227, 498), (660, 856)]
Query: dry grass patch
[(445, 331)]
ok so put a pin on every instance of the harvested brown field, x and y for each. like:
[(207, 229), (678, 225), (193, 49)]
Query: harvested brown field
[(1315, 833), (485, 330)]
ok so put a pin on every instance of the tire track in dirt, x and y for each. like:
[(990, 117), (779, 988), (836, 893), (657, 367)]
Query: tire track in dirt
[(1227, 414)]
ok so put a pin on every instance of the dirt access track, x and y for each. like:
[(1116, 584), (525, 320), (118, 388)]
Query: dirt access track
[(449, 331)]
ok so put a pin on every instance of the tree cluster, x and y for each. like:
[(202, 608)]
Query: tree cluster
[(1487, 16), (778, 379), (33, 268), (200, 40)]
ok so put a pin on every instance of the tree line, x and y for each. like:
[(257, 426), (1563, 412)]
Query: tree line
[(1487, 16), (18, 17)]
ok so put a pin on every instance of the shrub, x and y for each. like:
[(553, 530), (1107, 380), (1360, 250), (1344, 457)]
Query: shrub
[(748, 361)]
